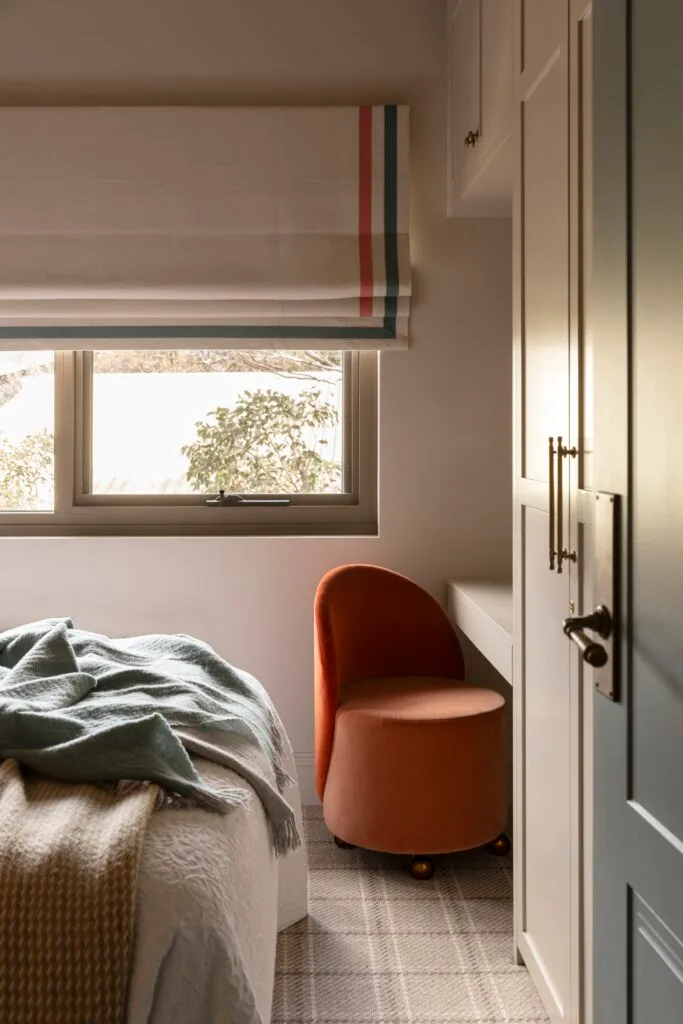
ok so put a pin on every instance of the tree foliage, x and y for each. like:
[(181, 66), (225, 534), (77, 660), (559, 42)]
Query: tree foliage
[(25, 468), (269, 443), (10, 385), (292, 364)]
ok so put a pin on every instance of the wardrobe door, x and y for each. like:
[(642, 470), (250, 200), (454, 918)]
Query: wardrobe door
[(582, 499), (545, 766)]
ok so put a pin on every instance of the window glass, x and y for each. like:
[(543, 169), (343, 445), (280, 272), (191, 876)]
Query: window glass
[(193, 422), (27, 424)]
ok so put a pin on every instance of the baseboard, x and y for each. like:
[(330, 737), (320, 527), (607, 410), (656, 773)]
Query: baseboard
[(305, 768)]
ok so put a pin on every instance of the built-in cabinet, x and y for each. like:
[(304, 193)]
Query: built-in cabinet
[(520, 88), (552, 506), (480, 108)]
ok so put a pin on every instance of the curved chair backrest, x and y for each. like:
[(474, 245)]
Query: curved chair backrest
[(372, 623)]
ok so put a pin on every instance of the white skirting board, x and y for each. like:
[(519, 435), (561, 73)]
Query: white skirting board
[(305, 768)]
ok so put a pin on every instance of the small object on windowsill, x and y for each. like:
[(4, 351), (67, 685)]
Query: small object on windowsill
[(224, 499)]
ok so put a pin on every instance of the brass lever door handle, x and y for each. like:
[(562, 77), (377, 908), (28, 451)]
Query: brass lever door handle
[(600, 622)]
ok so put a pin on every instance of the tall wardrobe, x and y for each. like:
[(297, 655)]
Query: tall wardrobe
[(553, 428), (520, 98)]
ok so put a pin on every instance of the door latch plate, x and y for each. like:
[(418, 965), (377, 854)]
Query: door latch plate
[(607, 550)]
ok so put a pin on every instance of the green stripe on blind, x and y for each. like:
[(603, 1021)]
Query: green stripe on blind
[(266, 331), (390, 210)]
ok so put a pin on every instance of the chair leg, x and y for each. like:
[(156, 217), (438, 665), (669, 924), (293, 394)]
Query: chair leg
[(500, 846), (422, 868), (343, 845)]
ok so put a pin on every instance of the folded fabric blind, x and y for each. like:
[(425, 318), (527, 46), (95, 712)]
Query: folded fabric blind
[(227, 227)]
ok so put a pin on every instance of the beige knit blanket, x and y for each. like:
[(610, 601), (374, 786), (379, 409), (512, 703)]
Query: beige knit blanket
[(69, 857)]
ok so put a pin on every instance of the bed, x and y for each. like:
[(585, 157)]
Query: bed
[(211, 899), (162, 883)]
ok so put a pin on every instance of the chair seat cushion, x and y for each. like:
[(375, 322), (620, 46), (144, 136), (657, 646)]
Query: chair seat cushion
[(418, 699), (418, 765)]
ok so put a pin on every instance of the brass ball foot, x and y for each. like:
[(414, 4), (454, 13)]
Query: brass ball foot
[(500, 846), (343, 845), (421, 868)]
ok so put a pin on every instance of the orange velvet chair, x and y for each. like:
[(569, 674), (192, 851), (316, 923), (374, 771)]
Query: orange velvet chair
[(409, 759)]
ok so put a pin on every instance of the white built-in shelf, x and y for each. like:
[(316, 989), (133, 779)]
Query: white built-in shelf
[(483, 611)]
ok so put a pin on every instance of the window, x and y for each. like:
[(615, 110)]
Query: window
[(116, 442)]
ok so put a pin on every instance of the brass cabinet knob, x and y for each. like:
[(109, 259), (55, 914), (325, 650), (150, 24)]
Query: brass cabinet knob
[(471, 138)]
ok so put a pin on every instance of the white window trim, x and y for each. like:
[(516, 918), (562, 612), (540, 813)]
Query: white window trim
[(78, 513)]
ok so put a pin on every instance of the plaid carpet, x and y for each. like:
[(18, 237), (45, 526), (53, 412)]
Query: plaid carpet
[(380, 947)]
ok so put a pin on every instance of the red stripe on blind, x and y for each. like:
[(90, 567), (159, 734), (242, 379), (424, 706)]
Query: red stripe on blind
[(365, 209)]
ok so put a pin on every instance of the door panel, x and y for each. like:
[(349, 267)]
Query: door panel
[(545, 195), (657, 977), (585, 690), (657, 267), (638, 302), (657, 726), (547, 865)]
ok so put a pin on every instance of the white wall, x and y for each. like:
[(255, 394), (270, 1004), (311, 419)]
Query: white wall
[(445, 476)]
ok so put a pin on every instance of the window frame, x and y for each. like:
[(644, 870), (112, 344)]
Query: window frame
[(80, 513)]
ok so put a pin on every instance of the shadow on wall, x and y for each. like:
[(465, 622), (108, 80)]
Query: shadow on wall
[(480, 672)]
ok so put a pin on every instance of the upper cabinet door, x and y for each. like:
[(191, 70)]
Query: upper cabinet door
[(480, 108), (464, 32), (496, 75)]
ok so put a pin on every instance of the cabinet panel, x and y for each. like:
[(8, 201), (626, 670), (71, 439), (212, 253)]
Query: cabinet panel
[(496, 69), (548, 704), (465, 88), (543, 25), (547, 768), (585, 247), (545, 248)]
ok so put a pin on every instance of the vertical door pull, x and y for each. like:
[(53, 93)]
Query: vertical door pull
[(551, 503), (563, 553)]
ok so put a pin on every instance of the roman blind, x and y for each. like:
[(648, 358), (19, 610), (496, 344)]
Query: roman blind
[(227, 227)]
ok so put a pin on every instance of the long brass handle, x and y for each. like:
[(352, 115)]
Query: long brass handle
[(551, 503), (562, 552), (560, 505)]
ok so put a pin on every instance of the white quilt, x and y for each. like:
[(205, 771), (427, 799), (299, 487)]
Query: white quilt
[(211, 899)]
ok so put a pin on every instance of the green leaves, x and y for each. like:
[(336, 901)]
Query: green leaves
[(24, 469), (268, 443)]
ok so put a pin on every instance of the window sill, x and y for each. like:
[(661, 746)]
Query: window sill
[(273, 530)]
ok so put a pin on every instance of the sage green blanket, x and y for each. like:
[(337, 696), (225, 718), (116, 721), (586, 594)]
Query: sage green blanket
[(80, 707)]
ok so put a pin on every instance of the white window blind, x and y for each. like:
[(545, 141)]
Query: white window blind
[(229, 227)]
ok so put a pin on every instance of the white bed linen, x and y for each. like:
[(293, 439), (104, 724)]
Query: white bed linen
[(211, 899)]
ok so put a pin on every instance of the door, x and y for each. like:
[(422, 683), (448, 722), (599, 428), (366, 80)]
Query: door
[(464, 101), (546, 701), (496, 77), (582, 500), (638, 337)]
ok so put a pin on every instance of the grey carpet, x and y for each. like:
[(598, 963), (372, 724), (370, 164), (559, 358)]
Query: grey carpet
[(380, 947)]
